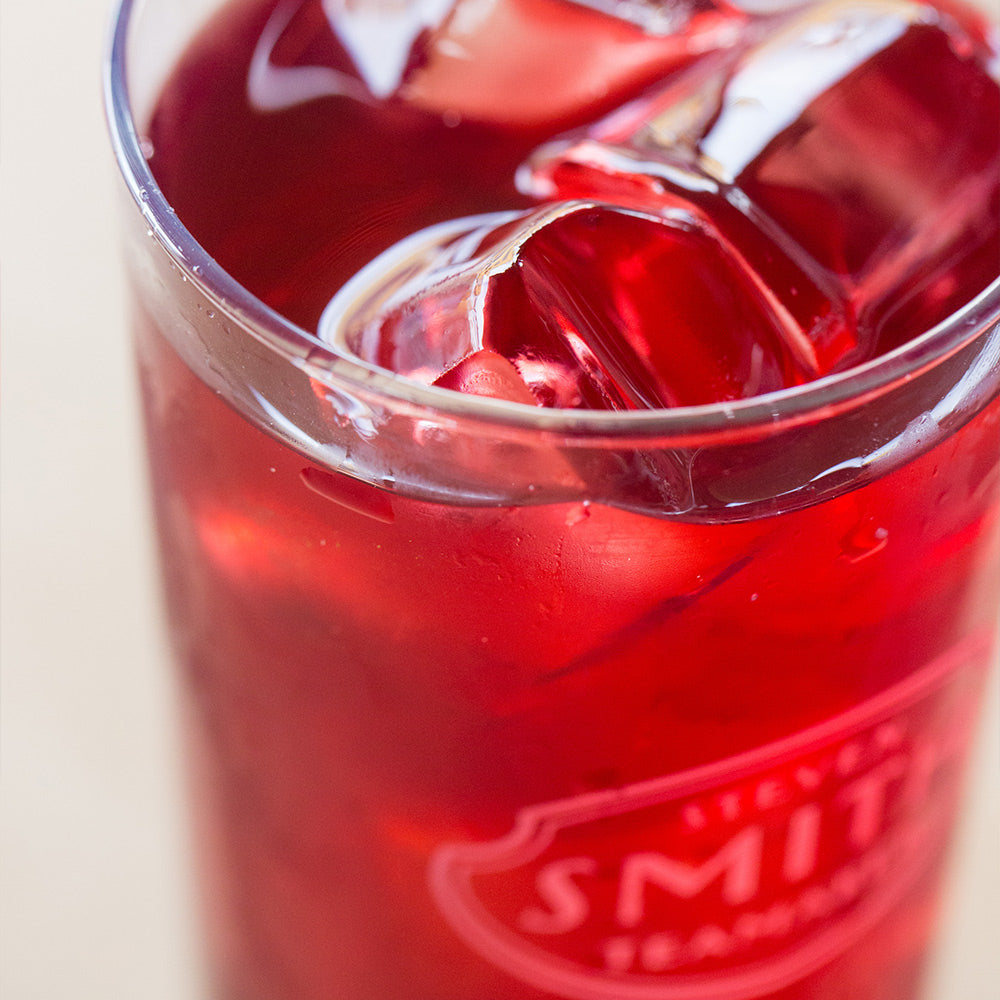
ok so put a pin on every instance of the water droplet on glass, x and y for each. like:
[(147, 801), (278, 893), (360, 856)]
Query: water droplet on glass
[(362, 498), (864, 540)]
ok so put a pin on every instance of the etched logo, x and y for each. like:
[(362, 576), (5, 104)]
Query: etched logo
[(731, 880)]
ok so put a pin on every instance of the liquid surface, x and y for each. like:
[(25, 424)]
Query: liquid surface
[(828, 179)]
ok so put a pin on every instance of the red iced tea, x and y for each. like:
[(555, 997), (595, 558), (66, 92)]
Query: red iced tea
[(486, 711)]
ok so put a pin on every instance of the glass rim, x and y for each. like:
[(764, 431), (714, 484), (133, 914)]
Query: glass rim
[(314, 356)]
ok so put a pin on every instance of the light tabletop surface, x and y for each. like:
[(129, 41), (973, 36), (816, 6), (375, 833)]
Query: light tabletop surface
[(96, 902)]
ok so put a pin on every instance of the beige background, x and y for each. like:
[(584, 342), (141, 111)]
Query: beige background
[(95, 897)]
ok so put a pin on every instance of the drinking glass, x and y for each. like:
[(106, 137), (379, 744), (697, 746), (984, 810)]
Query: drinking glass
[(484, 701)]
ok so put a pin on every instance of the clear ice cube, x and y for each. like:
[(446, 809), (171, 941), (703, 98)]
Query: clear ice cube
[(889, 175), (535, 61), (816, 317), (544, 61), (380, 35), (578, 305), (853, 158)]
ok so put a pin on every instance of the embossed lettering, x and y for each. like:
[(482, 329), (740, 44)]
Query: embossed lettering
[(737, 863), (567, 904)]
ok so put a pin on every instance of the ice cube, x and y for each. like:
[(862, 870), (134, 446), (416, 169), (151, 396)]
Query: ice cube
[(296, 60), (888, 173), (414, 310), (486, 373), (859, 143), (529, 62), (815, 316), (578, 305), (380, 35)]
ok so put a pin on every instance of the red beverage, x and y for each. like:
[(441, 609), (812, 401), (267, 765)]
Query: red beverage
[(510, 702)]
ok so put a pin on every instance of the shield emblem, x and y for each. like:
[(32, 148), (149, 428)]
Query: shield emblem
[(731, 880)]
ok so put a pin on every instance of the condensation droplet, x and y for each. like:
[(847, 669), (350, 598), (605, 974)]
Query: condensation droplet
[(864, 540)]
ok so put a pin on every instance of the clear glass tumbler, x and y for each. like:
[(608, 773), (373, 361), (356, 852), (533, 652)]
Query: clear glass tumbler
[(488, 701)]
